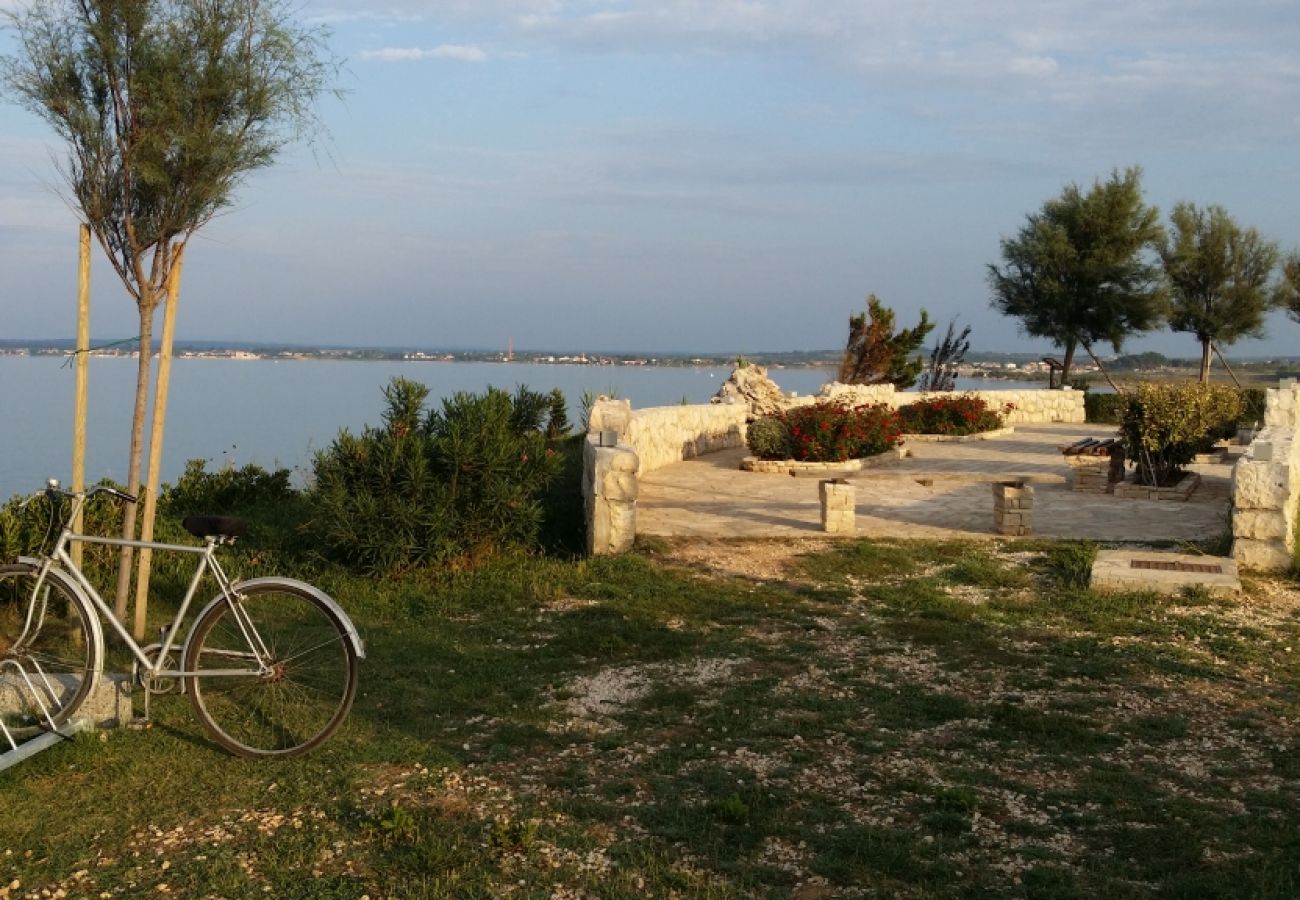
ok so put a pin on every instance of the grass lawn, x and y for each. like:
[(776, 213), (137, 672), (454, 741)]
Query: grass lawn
[(809, 720)]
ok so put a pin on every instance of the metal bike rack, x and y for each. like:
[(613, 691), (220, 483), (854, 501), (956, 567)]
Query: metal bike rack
[(56, 734)]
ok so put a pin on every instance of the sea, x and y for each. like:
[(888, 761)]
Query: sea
[(279, 413)]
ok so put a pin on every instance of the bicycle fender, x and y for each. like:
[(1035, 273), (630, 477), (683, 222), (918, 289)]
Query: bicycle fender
[(325, 599), (69, 583)]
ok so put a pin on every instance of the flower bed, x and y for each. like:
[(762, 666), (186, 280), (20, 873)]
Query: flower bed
[(957, 415), (825, 432)]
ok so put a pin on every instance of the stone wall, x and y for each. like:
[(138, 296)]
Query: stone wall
[(1031, 406), (661, 435), (623, 444), (1266, 486), (609, 490)]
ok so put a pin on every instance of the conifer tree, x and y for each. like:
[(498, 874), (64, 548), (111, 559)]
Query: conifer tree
[(876, 355)]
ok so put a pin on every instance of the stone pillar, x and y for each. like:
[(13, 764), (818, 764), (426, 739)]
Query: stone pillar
[(609, 489), (1013, 508), (839, 514), (1266, 486)]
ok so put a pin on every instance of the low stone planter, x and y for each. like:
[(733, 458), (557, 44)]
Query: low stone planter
[(958, 438), (1180, 492), (1215, 456), (1013, 508), (1095, 474), (794, 466)]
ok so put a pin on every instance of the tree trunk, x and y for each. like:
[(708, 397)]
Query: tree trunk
[(1067, 363), (143, 368), (1206, 345), (158, 423)]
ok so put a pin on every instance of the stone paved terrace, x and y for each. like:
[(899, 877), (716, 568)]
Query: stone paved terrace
[(710, 496)]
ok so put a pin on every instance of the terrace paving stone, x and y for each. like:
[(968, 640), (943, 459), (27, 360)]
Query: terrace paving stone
[(939, 491)]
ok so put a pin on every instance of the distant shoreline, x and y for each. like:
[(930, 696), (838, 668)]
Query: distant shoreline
[(1020, 367)]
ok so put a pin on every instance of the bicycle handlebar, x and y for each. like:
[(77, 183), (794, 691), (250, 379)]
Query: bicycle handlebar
[(52, 490)]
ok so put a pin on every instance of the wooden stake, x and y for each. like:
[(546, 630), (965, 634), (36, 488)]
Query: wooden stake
[(83, 380), (1115, 387), (1219, 353), (156, 443)]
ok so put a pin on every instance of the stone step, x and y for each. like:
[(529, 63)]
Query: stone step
[(1164, 573)]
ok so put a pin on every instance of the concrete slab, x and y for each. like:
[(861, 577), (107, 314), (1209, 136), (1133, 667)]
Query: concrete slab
[(1164, 573), (939, 491)]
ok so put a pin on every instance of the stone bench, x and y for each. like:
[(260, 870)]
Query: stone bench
[(1096, 465)]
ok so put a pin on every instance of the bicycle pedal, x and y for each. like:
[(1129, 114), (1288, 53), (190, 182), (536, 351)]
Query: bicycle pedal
[(140, 724)]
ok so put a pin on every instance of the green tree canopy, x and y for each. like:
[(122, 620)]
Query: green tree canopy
[(1288, 291), (876, 355), (1219, 275), (1076, 273)]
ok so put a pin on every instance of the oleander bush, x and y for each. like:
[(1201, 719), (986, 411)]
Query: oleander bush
[(768, 437), (431, 486), (226, 490), (952, 415), (833, 432), (1166, 425)]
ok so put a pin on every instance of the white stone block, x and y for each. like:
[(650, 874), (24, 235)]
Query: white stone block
[(1264, 556)]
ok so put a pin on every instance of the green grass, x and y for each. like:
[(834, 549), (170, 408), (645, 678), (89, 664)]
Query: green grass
[(910, 719)]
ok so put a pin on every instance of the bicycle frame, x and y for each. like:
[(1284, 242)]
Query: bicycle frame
[(207, 563)]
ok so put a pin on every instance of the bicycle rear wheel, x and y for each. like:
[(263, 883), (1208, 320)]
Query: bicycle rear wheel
[(49, 652), (274, 674)]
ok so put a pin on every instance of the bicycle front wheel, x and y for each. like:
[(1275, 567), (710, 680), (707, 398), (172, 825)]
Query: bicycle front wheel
[(273, 673), (49, 652)]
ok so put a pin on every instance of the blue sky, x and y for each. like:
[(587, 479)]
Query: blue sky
[(732, 176)]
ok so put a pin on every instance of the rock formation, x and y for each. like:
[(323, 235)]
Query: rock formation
[(750, 385)]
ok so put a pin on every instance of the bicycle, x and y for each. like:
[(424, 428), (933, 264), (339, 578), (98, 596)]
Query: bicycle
[(269, 664)]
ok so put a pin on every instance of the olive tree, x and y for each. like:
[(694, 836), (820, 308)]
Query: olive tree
[(1219, 278), (1078, 271), (165, 107)]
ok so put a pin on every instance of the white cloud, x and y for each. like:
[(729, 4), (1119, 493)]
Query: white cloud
[(988, 48), (458, 52), (1032, 66)]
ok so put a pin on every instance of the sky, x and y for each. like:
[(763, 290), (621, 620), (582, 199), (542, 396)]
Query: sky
[(726, 176)]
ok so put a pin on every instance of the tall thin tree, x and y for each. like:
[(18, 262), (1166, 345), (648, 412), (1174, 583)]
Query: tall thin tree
[(165, 106), (1219, 278)]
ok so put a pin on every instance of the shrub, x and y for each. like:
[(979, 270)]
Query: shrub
[(1103, 409), (769, 438), (957, 415), (1165, 425), (29, 527), (1252, 408), (429, 486), (830, 432), (199, 491)]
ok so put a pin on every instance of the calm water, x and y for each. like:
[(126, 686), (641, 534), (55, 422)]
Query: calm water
[(277, 413)]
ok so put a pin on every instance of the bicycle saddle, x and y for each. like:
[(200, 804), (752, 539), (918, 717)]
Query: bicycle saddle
[(227, 528)]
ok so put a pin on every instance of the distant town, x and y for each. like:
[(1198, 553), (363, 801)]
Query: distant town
[(978, 364)]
